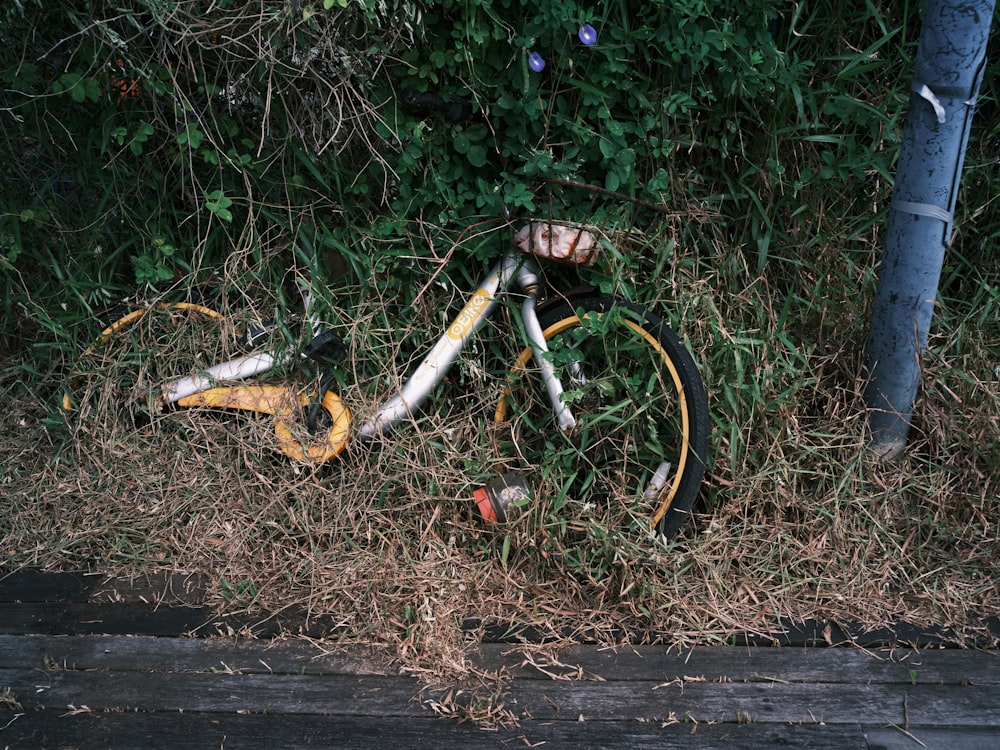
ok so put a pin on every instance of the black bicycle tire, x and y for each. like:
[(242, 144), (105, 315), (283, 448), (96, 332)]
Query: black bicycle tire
[(558, 314)]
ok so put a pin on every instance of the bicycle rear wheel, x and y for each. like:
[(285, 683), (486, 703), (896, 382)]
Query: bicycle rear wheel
[(637, 454), (121, 372)]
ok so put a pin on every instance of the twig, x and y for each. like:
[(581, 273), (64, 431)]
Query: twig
[(447, 257), (661, 207)]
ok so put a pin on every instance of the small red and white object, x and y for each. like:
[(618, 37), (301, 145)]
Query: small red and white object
[(561, 242), (502, 497)]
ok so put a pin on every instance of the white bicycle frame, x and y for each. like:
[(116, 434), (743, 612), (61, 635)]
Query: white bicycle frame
[(514, 269)]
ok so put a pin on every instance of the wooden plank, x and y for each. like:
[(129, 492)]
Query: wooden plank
[(157, 587), (781, 633), (30, 617), (160, 588), (145, 653), (167, 620), (290, 656), (153, 731), (827, 665), (84, 618), (366, 695), (930, 705), (131, 619), (35, 586), (897, 738), (810, 633), (760, 702), (978, 706)]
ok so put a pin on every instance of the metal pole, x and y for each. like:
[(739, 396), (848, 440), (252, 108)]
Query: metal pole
[(948, 70)]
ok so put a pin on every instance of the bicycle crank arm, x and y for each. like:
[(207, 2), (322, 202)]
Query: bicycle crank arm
[(283, 402)]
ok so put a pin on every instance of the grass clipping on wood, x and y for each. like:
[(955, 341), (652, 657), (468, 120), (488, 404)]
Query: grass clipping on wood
[(796, 522)]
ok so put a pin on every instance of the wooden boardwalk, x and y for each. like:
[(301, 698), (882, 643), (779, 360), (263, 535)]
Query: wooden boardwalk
[(65, 684)]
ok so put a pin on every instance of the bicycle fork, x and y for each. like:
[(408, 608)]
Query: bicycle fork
[(553, 386)]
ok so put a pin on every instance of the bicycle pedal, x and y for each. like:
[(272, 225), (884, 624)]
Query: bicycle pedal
[(326, 346), (499, 495)]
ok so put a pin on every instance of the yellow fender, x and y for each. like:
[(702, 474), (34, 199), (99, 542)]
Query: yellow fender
[(282, 401)]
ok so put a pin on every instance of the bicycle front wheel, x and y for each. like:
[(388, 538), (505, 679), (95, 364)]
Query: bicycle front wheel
[(637, 453)]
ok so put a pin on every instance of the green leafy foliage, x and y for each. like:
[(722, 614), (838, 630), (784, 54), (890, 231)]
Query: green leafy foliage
[(575, 119), (152, 142), (158, 142), (723, 104)]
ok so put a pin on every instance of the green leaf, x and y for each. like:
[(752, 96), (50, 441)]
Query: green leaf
[(79, 88), (142, 135), (476, 156), (217, 202), (608, 148), (23, 79), (192, 136)]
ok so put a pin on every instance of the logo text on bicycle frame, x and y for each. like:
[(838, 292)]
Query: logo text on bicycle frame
[(470, 314)]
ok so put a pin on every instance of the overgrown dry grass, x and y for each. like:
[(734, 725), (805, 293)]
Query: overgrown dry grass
[(797, 522)]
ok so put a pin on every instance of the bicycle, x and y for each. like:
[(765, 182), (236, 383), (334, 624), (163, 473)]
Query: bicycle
[(624, 408), (598, 379)]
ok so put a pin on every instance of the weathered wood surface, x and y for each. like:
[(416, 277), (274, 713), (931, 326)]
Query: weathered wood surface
[(61, 689), (121, 691)]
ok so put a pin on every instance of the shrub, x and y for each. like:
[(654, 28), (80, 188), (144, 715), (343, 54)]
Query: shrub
[(154, 139)]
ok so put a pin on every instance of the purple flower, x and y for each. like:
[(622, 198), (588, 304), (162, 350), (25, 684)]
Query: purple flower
[(537, 62), (587, 34)]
